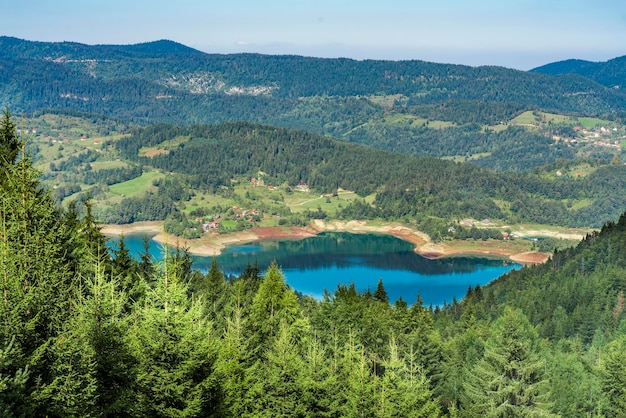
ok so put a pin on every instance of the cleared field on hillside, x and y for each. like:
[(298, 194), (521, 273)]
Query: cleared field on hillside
[(137, 185)]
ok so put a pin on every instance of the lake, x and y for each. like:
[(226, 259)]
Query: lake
[(328, 259)]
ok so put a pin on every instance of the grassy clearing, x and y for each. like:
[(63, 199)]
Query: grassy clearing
[(163, 147), (136, 186), (439, 124), (526, 118), (201, 200), (536, 118), (387, 100), (552, 229), (555, 118), (399, 119), (370, 198), (495, 128), (583, 203), (107, 165), (463, 158), (478, 246), (581, 170), (418, 122), (329, 204), (589, 123)]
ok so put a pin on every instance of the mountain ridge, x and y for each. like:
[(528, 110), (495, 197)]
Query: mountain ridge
[(295, 76), (610, 73)]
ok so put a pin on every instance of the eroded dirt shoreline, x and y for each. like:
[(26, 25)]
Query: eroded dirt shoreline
[(212, 244)]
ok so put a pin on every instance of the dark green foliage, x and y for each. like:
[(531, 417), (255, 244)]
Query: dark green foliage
[(132, 79), (173, 345), (381, 294), (337, 97), (10, 144), (610, 73), (509, 380), (613, 377), (12, 383)]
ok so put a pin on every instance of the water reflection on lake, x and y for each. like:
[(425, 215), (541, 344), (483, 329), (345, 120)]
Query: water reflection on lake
[(324, 261)]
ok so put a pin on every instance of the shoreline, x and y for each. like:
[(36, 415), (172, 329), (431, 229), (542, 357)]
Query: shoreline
[(212, 244)]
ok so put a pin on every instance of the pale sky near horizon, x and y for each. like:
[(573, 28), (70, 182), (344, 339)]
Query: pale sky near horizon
[(520, 34)]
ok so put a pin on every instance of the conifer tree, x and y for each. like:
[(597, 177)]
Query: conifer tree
[(613, 377), (12, 383), (231, 368), (401, 394), (92, 368), (10, 144), (510, 378), (358, 385), (274, 303), (277, 387), (37, 273), (174, 349), (215, 292), (381, 294), (318, 381), (145, 265)]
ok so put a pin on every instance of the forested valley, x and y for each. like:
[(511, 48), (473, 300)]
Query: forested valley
[(85, 332)]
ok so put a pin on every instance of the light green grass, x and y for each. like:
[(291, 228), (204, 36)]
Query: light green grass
[(526, 118), (136, 186), (589, 123), (107, 165), (439, 124), (583, 203), (418, 122), (463, 158), (387, 100), (495, 128)]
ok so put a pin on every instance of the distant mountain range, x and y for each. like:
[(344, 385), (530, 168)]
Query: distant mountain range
[(611, 73), (412, 107), (167, 81)]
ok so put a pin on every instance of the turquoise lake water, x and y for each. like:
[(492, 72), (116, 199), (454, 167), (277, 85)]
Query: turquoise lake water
[(324, 261)]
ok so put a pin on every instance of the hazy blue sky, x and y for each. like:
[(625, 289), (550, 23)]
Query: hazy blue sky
[(513, 33)]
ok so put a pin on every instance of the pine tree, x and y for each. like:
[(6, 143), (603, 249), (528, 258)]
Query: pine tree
[(381, 294), (401, 394), (318, 381), (613, 377), (510, 379), (274, 303), (37, 274), (174, 349), (10, 144), (215, 292), (276, 380), (146, 265), (357, 384), (92, 370), (12, 384), (231, 368)]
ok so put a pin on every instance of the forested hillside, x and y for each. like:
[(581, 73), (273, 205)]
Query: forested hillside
[(412, 107), (83, 333), (184, 71), (611, 73), (407, 188)]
